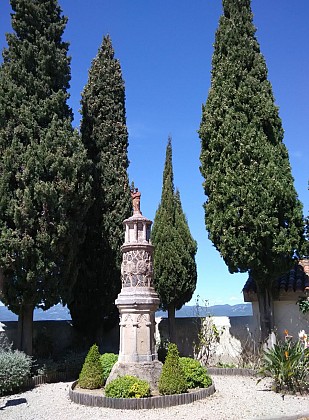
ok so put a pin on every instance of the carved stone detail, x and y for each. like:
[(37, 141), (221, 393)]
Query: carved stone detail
[(141, 319), (137, 269)]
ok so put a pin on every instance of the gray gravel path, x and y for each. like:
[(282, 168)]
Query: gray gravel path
[(236, 397)]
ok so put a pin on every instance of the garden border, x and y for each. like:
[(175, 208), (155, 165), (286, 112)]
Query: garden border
[(231, 371), (160, 401)]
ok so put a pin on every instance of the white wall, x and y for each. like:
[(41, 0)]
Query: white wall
[(287, 317)]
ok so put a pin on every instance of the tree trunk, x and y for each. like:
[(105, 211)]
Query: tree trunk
[(266, 309), (171, 323), (25, 329)]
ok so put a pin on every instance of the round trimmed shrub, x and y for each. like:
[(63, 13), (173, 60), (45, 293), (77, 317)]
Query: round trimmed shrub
[(195, 374), (127, 387), (172, 379), (108, 360), (91, 375), (15, 367)]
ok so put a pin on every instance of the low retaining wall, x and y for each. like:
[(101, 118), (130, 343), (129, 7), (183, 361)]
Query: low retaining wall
[(160, 401), (53, 338)]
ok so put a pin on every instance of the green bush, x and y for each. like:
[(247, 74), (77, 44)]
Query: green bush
[(108, 360), (195, 374), (172, 379), (91, 376), (70, 363), (288, 364), (127, 387), (15, 367)]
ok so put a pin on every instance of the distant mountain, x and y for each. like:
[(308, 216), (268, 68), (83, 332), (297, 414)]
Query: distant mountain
[(56, 313), (59, 312), (242, 309)]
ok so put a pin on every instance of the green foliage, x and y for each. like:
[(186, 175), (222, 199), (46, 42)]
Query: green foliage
[(288, 365), (172, 379), (252, 212), (303, 303), (104, 134), (195, 374), (43, 345), (91, 376), (108, 360), (207, 338), (174, 255), (15, 367), (127, 387), (226, 365), (71, 363), (44, 183)]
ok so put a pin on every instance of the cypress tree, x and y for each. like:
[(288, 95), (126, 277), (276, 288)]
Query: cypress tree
[(44, 189), (104, 134), (174, 254), (252, 212)]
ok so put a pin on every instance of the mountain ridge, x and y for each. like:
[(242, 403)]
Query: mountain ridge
[(61, 313)]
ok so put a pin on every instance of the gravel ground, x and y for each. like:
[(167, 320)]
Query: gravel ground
[(236, 397)]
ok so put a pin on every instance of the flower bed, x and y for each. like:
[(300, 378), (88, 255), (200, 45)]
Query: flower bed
[(96, 399)]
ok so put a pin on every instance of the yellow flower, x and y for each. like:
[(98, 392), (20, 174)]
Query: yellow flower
[(286, 353), (286, 332)]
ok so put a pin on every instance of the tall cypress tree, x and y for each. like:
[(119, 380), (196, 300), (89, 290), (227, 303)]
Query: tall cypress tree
[(174, 254), (252, 210), (104, 134), (44, 181)]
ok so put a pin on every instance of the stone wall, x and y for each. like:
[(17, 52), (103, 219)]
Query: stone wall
[(236, 336), (56, 337)]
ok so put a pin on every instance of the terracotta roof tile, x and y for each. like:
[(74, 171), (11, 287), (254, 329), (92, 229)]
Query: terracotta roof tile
[(295, 280)]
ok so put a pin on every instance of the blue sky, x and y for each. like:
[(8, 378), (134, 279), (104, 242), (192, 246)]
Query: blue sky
[(165, 50)]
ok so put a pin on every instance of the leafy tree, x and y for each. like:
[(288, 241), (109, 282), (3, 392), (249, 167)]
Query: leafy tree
[(252, 210), (44, 186), (305, 247), (174, 256), (105, 136)]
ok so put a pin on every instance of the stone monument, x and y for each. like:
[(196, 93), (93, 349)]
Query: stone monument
[(137, 302)]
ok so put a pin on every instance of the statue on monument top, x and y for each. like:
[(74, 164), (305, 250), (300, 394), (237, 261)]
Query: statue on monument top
[(136, 200)]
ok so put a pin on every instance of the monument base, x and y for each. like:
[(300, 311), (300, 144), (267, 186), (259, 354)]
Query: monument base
[(149, 371)]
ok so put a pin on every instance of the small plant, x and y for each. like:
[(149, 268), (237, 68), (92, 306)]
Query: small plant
[(127, 387), (172, 379), (195, 374), (5, 344), (226, 365), (15, 367), (73, 362), (91, 376), (208, 335), (108, 360), (288, 364), (303, 303), (43, 345)]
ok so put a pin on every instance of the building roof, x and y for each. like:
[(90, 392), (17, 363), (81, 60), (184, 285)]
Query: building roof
[(290, 285)]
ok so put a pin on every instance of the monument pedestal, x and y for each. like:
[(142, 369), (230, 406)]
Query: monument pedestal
[(149, 371)]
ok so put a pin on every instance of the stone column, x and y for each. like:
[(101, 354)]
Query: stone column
[(137, 302)]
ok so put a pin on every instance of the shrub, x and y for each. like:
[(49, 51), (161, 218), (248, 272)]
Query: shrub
[(73, 362), (288, 364), (127, 387), (172, 379), (91, 376), (108, 360), (15, 367), (5, 344), (195, 374)]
